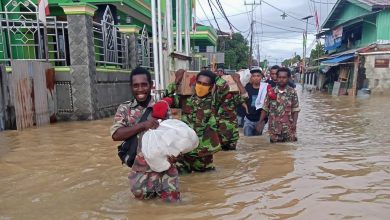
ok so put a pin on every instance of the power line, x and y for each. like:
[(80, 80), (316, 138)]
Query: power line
[(224, 14), (268, 25), (205, 15), (233, 15), (212, 11), (285, 12), (324, 3)]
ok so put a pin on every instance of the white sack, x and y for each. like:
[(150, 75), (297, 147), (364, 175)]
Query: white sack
[(245, 76), (171, 138)]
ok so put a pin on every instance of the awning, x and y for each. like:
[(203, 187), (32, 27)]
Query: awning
[(334, 61)]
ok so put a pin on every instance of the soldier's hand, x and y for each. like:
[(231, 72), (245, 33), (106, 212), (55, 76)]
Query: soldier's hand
[(179, 76), (151, 123), (172, 159), (236, 77), (259, 127)]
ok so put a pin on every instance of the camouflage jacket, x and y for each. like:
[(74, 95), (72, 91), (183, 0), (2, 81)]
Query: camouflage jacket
[(201, 115), (280, 110), (227, 119), (228, 109), (127, 115)]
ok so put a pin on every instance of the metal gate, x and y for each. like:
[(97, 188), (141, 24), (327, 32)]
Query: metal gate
[(22, 34), (144, 54), (111, 46)]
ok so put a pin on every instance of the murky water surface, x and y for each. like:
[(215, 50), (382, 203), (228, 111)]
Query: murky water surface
[(339, 169)]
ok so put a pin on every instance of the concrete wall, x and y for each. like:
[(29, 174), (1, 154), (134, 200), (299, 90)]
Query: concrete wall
[(378, 78), (112, 88)]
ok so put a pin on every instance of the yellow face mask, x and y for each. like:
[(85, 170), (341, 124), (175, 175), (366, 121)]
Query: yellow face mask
[(201, 90)]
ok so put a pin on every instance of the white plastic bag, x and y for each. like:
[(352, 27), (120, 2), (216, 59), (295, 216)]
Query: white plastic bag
[(171, 138), (245, 76)]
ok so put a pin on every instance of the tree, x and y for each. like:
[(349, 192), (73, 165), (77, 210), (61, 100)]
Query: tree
[(236, 51), (316, 53), (291, 61), (263, 64)]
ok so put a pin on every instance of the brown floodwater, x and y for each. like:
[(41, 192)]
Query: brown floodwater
[(338, 169)]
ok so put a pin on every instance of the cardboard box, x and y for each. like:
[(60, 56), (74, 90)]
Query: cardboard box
[(232, 84), (187, 85), (176, 113)]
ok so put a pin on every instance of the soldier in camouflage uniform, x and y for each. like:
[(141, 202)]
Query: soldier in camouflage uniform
[(283, 112), (145, 183), (227, 114), (199, 111)]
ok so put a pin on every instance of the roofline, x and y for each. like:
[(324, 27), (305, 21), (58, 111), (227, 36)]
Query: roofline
[(350, 22), (331, 12), (355, 2), (361, 4)]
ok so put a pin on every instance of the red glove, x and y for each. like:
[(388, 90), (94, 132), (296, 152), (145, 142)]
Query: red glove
[(160, 110), (168, 100), (271, 93)]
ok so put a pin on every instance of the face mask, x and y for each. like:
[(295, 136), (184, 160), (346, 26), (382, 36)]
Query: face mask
[(201, 90)]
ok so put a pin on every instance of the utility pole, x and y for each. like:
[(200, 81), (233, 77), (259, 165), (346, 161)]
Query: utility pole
[(258, 54), (251, 44), (304, 49), (252, 23)]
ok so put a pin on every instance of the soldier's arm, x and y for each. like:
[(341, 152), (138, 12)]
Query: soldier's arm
[(239, 99), (295, 108), (222, 89), (120, 131), (241, 88), (124, 133), (260, 124), (171, 93)]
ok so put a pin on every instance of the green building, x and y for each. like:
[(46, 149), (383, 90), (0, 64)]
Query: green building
[(93, 45), (357, 41)]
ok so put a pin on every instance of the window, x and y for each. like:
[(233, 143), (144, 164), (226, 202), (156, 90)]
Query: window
[(202, 49), (382, 63)]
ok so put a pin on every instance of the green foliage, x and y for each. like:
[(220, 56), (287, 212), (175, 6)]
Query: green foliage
[(289, 62), (263, 64), (316, 53), (236, 51)]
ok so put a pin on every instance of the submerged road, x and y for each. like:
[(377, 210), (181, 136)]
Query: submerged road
[(338, 169)]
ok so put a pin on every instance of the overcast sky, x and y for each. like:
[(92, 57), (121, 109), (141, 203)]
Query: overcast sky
[(275, 44)]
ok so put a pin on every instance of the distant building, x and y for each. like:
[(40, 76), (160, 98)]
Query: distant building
[(357, 44)]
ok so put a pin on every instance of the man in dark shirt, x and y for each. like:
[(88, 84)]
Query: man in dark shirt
[(240, 116), (253, 116)]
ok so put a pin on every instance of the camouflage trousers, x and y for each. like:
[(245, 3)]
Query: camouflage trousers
[(149, 185), (188, 164), (286, 136)]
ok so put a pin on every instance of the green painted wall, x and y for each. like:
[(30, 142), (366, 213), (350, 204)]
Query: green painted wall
[(368, 34), (350, 11), (383, 25)]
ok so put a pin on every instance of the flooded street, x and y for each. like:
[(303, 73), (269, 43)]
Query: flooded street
[(338, 169)]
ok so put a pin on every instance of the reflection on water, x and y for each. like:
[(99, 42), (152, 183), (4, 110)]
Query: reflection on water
[(339, 169)]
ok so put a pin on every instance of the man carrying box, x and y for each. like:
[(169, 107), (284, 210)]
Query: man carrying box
[(199, 111), (227, 115)]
